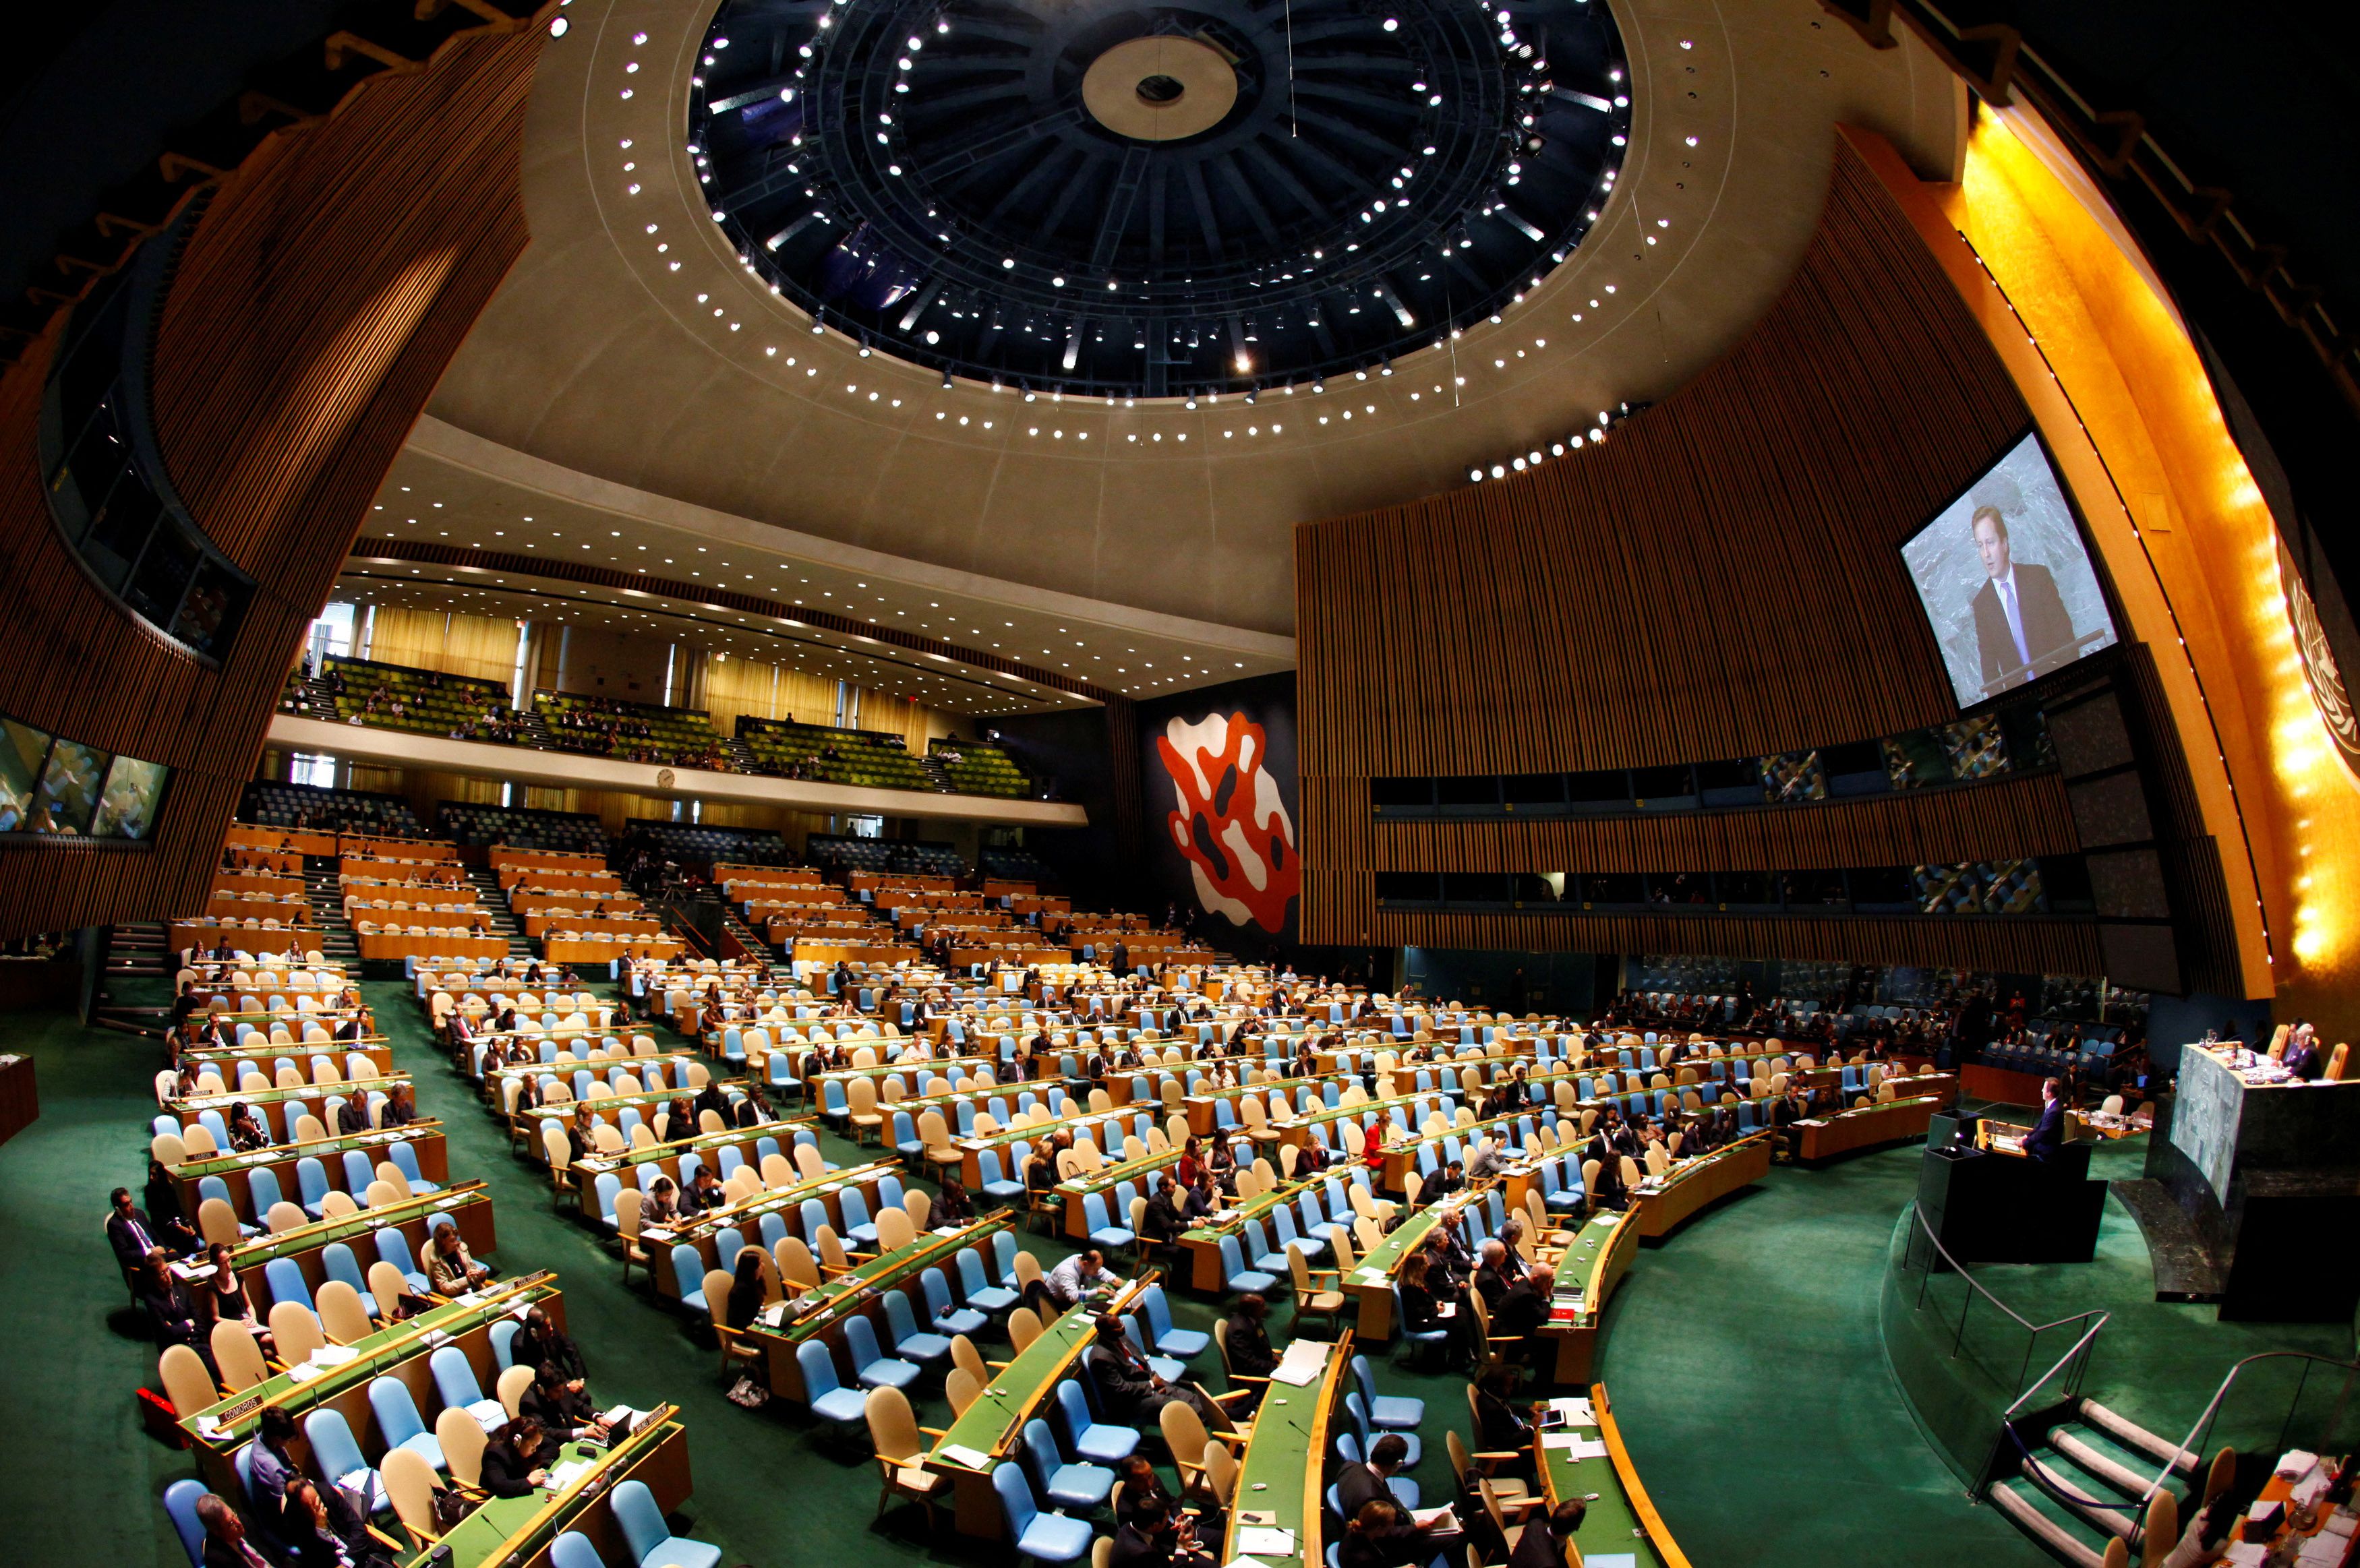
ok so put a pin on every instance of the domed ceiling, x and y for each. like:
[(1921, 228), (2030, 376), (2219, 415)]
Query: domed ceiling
[(663, 361), (1106, 197)]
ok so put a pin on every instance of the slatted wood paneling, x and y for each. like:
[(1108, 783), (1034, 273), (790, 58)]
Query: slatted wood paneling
[(315, 306), (1721, 578)]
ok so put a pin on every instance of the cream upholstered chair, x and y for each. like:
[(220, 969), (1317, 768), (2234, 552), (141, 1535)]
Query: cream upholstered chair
[(961, 1390), (343, 1316), (217, 1221), (833, 1258), (798, 1270), (386, 1287), (809, 1161), (294, 1332), (1512, 1493), (900, 1447), (1023, 1325), (237, 1353), (894, 1230), (462, 1438), (284, 1215), (411, 1483), (510, 1389), (339, 1205), (186, 1381)]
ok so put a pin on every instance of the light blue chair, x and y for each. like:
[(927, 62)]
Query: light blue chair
[(214, 1187), (502, 1339), (455, 1385), (606, 1190), (871, 1368), (1358, 1408), (1065, 1484), (574, 1550), (180, 1507), (337, 1261), (358, 1174), (284, 1277), (992, 1183), (975, 1286), (393, 1248), (1236, 1277), (398, 1423), (1434, 1339), (404, 1159), (688, 1276), (945, 1317), (1186, 1343), (1387, 1412), (338, 1459), (829, 1400), (1043, 1538), (648, 1539), (1103, 1232), (262, 1188), (910, 1342), (311, 1184), (1095, 1441), (859, 1230)]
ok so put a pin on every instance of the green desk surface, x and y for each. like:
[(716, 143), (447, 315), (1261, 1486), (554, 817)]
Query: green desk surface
[(1858, 1111), (767, 1200), (1621, 1521), (372, 1355), (510, 1530), (654, 1099), (366, 1221), (784, 1131), (1387, 1255), (1017, 1390), (1128, 1171), (840, 1295), (229, 1165), (946, 1067), (564, 1067), (1685, 1170), (1254, 1208), (1280, 1471), (1578, 1266), (223, 1102)]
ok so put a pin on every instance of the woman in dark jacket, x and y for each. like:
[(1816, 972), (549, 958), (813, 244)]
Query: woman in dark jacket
[(517, 1460)]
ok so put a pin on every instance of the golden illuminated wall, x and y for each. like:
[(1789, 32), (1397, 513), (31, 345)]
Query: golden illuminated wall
[(482, 647), (2187, 538), (728, 688)]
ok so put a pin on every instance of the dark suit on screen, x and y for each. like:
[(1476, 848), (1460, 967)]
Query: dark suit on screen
[(2048, 628)]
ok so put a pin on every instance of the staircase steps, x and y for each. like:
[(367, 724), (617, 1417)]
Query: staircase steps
[(505, 924), (142, 948), (331, 930), (2078, 1487)]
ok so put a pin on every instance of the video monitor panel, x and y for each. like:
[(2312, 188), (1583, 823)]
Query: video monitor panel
[(21, 749), (2006, 580), (134, 793), (70, 789)]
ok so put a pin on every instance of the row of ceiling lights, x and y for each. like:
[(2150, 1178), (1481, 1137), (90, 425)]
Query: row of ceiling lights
[(1126, 681)]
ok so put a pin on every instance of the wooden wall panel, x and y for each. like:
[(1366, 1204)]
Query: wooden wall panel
[(1721, 578), (316, 304), (2014, 946)]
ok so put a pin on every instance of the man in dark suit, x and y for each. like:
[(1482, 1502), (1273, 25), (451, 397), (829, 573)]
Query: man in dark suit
[(2048, 1134), (129, 1232), (2022, 629), (1545, 1540), (2301, 1055), (1364, 1483)]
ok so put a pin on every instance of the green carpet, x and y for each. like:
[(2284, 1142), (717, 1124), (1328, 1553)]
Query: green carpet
[(1743, 1356)]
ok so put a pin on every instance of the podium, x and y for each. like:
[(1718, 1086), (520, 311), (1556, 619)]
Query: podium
[(1989, 1205)]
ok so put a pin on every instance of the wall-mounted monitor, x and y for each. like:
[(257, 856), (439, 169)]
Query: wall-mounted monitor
[(2006, 580)]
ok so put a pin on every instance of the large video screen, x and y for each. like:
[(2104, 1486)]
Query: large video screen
[(2005, 580)]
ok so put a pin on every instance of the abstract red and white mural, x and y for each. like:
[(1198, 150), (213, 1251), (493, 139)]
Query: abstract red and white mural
[(1230, 820)]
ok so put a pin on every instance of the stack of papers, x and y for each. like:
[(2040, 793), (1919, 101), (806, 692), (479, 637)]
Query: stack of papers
[(959, 1453), (1575, 1444), (2297, 1461), (565, 1475), (1575, 1411), (2322, 1550), (1267, 1542), (1305, 1362), (1366, 1276)]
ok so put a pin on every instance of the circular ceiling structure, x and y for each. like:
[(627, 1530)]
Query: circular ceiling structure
[(1162, 199)]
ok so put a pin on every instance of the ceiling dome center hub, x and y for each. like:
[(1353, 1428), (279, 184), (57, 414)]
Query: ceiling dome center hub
[(1160, 89)]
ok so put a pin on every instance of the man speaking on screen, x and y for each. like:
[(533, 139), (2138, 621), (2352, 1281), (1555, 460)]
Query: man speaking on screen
[(2021, 628)]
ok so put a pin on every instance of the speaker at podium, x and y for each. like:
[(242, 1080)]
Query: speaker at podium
[(1988, 1202)]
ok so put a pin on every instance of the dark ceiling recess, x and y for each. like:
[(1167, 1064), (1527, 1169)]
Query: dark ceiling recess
[(1113, 199)]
